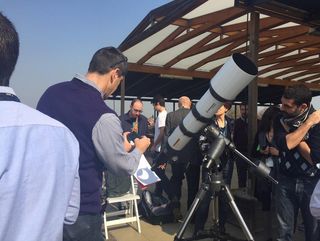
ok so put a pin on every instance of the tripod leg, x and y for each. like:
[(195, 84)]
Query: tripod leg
[(200, 195), (237, 213)]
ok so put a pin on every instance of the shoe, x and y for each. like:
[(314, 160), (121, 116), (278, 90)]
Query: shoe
[(200, 234), (222, 230), (177, 214)]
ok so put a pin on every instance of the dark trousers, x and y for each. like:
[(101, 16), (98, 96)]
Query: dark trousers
[(293, 194), (161, 185), (242, 170), (201, 214), (193, 179), (192, 173), (86, 228), (172, 186)]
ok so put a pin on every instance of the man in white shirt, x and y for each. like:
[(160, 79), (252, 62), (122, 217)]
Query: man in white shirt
[(39, 180), (159, 126)]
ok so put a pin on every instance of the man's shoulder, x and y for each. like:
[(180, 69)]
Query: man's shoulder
[(143, 118), (182, 112), (29, 116), (59, 85), (125, 116), (239, 121), (163, 113)]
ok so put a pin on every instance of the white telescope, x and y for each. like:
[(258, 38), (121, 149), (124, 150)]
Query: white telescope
[(233, 76)]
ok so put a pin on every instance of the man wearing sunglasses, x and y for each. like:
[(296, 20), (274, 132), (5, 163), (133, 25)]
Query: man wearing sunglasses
[(79, 104)]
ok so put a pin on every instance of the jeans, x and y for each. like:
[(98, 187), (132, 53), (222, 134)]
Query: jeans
[(86, 228), (293, 194)]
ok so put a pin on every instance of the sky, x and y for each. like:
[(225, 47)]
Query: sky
[(58, 38)]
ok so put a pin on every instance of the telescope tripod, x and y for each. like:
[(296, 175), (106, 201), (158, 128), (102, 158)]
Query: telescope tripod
[(214, 184)]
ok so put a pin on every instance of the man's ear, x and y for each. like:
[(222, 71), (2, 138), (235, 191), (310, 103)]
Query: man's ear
[(304, 106), (118, 73), (114, 74)]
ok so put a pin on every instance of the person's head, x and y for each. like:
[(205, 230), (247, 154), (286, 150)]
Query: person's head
[(107, 68), (223, 109), (158, 103), (244, 110), (9, 49), (295, 100), (184, 102), (267, 118), (136, 108)]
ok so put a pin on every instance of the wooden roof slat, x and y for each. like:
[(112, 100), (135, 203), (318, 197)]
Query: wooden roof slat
[(309, 78), (273, 59), (265, 24), (165, 15), (303, 73), (285, 50), (264, 44), (169, 71), (221, 17), (295, 69), (287, 64), (162, 45), (271, 81), (198, 45)]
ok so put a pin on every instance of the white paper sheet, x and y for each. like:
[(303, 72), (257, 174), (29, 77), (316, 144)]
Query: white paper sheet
[(144, 174)]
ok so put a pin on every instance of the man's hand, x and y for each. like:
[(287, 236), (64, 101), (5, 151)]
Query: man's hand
[(273, 151), (162, 166), (265, 151), (142, 143), (314, 118), (126, 143), (294, 138)]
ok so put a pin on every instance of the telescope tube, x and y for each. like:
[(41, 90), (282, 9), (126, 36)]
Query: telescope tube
[(233, 76)]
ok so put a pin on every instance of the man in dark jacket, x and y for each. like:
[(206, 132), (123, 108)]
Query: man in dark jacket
[(189, 160), (133, 120), (240, 139)]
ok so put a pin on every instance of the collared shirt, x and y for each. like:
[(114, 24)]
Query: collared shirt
[(107, 132), (39, 181), (315, 202)]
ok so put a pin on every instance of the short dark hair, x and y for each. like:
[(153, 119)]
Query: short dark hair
[(268, 117), (106, 59), (158, 99), (299, 93), (9, 49)]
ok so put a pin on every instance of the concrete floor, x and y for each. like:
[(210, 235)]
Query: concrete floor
[(166, 232)]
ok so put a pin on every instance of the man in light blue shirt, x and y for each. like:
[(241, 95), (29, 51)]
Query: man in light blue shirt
[(39, 181), (315, 202)]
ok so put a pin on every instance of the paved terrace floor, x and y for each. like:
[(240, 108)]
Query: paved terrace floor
[(258, 225)]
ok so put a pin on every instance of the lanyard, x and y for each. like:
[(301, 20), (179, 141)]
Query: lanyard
[(8, 97)]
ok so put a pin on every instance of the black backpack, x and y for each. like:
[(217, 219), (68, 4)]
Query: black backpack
[(155, 209)]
